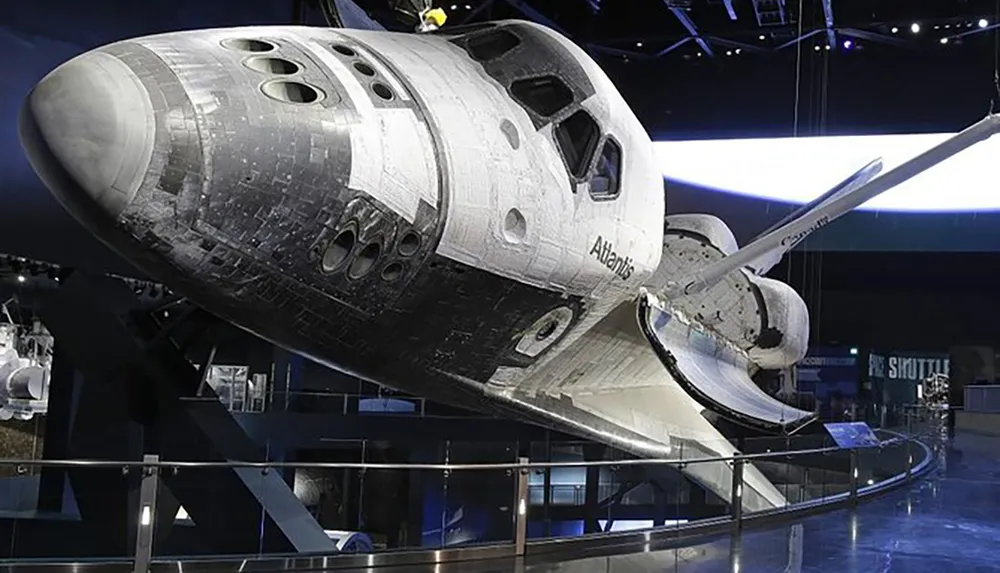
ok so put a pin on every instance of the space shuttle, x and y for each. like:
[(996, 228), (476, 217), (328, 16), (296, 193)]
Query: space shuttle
[(470, 213)]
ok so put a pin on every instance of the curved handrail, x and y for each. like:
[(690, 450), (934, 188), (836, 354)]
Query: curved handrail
[(556, 549), (170, 464)]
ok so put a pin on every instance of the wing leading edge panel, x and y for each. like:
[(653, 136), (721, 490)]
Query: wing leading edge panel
[(713, 372)]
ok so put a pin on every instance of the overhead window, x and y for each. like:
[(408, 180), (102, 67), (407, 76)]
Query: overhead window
[(543, 95), (578, 136), (606, 183), (492, 45)]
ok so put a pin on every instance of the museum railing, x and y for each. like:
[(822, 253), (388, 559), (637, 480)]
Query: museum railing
[(166, 511)]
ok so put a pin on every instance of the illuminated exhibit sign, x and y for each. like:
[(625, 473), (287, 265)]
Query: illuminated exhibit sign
[(797, 170), (827, 371), (916, 368)]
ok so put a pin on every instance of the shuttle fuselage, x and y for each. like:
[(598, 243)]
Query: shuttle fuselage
[(414, 209)]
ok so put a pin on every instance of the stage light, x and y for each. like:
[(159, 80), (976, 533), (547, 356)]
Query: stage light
[(797, 170), (729, 52), (854, 352), (20, 278), (983, 22), (699, 54), (895, 30), (638, 44), (827, 46), (762, 37), (915, 28), (816, 48), (943, 40), (739, 51), (848, 44)]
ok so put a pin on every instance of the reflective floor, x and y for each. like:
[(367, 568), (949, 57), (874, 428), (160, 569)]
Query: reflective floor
[(948, 522)]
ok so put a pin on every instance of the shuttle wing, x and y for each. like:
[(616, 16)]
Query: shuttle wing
[(610, 386)]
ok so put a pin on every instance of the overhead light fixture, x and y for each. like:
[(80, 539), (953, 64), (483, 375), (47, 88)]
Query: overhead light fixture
[(738, 51), (983, 22), (895, 30), (638, 44), (762, 37), (915, 28), (729, 52), (827, 46), (944, 40), (816, 48), (848, 44), (20, 278), (699, 54)]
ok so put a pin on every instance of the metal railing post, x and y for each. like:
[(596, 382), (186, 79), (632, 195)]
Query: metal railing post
[(909, 458), (854, 476), (736, 499), (521, 511), (147, 514)]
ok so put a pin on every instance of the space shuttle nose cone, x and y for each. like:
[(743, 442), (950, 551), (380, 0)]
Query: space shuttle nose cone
[(88, 130)]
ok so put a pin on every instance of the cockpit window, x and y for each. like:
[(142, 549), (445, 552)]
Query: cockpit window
[(492, 45), (544, 95), (606, 183), (577, 136)]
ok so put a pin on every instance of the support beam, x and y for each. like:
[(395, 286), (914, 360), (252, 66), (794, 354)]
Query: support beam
[(688, 24), (801, 38), (735, 44), (673, 46), (873, 37), (831, 35), (729, 9)]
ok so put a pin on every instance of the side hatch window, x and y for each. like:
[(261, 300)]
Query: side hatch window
[(606, 183), (578, 136)]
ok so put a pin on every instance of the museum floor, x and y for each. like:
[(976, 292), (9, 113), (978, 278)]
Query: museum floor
[(949, 521)]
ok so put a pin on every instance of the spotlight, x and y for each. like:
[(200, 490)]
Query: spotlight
[(915, 28), (20, 278), (738, 51), (468, 7), (699, 54), (827, 47), (854, 352), (943, 40), (816, 48), (729, 52), (983, 22), (848, 44), (895, 30), (454, 7), (762, 37), (638, 44)]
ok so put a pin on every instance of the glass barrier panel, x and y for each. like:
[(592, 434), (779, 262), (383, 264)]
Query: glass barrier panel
[(49, 512)]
